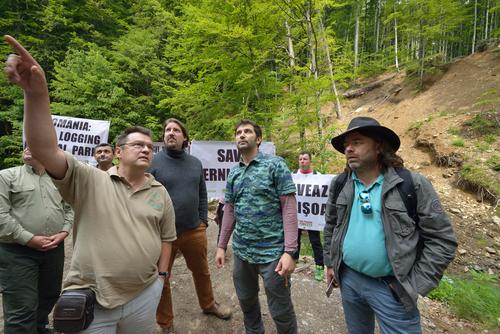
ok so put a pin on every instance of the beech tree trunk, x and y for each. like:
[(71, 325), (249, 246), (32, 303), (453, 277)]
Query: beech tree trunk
[(291, 52), (356, 36), (474, 29), (396, 43), (314, 69), (338, 107)]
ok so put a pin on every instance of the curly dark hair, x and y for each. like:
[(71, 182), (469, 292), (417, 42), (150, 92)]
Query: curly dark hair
[(387, 157)]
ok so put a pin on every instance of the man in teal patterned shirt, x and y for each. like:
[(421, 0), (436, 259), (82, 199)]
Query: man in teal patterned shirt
[(262, 210)]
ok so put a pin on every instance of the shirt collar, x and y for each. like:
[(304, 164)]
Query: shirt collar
[(258, 158), (31, 170), (150, 182), (379, 180), (309, 171)]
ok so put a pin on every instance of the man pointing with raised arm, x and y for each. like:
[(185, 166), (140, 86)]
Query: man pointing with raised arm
[(123, 217)]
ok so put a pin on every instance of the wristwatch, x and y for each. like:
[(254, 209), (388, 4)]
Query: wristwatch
[(291, 253), (163, 273)]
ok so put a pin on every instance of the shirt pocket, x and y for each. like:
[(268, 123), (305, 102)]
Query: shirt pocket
[(401, 222), (341, 208), (22, 195)]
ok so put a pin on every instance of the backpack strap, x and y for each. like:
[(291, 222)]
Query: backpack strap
[(408, 194), (406, 191), (338, 184)]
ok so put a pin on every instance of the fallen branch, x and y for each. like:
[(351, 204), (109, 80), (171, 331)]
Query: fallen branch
[(350, 94)]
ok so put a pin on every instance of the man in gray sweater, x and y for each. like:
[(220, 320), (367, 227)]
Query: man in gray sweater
[(182, 176)]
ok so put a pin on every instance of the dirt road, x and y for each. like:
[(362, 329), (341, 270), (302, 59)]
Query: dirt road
[(315, 313)]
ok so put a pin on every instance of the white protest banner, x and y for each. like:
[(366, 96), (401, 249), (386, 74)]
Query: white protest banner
[(312, 194), (217, 158), (158, 146), (79, 136)]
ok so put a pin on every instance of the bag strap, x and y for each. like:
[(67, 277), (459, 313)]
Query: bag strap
[(338, 184), (406, 190), (408, 193)]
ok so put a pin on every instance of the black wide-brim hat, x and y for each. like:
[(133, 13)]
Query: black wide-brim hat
[(367, 124)]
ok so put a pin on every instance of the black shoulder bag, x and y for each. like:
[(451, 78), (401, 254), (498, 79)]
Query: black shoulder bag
[(74, 310)]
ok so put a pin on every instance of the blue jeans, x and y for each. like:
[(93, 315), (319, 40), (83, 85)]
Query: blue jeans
[(246, 283), (365, 298)]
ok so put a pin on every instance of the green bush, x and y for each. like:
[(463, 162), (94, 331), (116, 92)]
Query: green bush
[(482, 146), (476, 298), (458, 142), (490, 139), (494, 162), (477, 174), (484, 123)]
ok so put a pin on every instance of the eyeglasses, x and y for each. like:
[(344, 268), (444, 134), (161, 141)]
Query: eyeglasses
[(366, 205), (139, 145)]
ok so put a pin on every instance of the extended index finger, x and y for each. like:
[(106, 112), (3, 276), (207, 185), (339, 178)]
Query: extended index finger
[(20, 50)]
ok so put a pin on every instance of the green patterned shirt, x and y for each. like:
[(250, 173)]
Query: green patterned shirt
[(255, 192)]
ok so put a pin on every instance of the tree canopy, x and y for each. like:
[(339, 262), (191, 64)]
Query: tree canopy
[(210, 63)]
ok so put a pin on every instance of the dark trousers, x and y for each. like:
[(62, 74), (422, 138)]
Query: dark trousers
[(315, 239), (30, 282), (218, 218), (246, 283)]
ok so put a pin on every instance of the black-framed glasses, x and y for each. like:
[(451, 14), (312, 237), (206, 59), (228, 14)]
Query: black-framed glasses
[(139, 145), (366, 205)]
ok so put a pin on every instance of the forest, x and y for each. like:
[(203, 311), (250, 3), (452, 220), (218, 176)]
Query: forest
[(212, 62)]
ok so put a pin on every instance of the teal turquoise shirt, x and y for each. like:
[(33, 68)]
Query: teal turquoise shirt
[(255, 192), (364, 243)]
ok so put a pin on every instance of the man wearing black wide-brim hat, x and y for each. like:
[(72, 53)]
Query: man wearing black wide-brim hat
[(382, 250)]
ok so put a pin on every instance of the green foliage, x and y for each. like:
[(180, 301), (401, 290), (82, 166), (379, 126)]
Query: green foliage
[(10, 124), (87, 85), (459, 142), (485, 123), (482, 146), (444, 291), (476, 299), (476, 173), (418, 124), (211, 63), (490, 139), (489, 98), (305, 244), (454, 131), (494, 162)]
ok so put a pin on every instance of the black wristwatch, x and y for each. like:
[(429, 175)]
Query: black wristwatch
[(291, 253), (163, 273)]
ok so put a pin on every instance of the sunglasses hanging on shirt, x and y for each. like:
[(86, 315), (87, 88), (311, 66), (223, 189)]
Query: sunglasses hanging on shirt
[(366, 205)]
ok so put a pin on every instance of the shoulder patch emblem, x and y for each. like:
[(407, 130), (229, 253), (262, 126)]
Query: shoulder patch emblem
[(436, 206)]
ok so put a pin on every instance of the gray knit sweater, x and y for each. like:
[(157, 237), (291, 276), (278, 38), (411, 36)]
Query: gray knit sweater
[(182, 175)]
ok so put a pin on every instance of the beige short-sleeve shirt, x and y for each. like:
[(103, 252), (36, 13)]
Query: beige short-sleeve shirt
[(118, 231)]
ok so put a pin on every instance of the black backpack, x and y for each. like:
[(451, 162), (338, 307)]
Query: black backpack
[(406, 190)]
